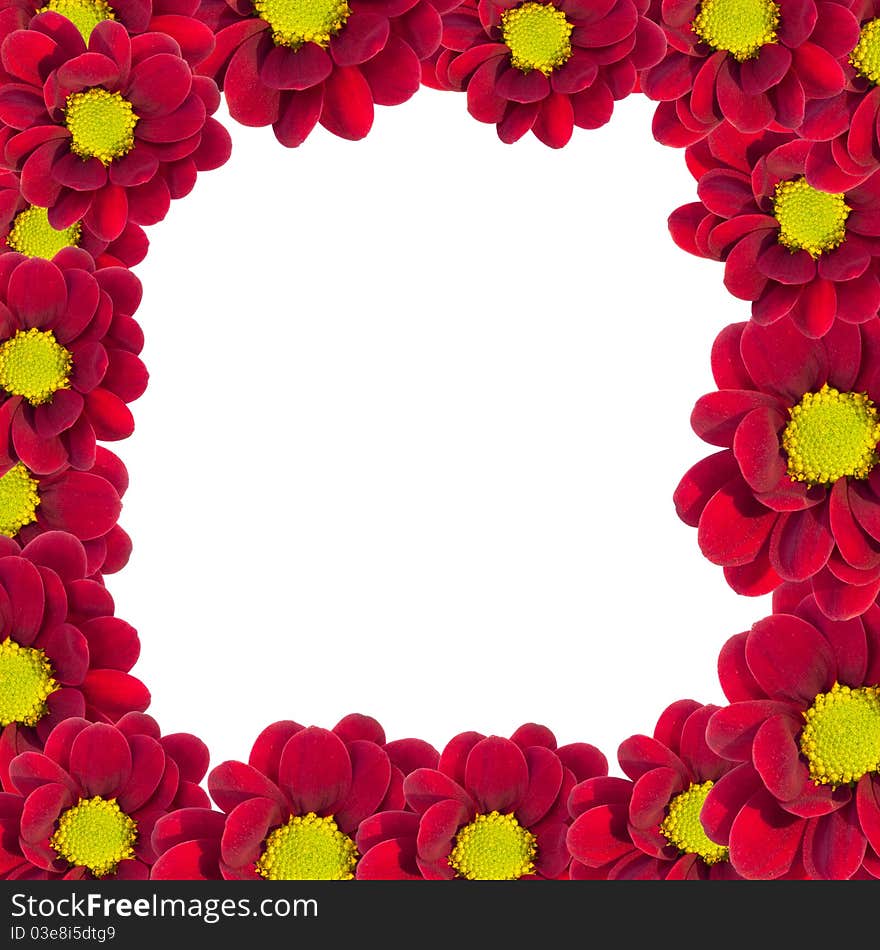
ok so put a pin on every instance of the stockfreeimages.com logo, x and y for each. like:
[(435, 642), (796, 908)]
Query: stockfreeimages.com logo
[(210, 910)]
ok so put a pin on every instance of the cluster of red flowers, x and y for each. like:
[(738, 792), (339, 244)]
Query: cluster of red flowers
[(106, 115)]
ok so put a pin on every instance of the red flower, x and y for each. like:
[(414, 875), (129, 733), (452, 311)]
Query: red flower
[(86, 805), (787, 247), (843, 129), (62, 652), (290, 66), (803, 728), (25, 229), (107, 135), (85, 504), (648, 827), (793, 495), (754, 64), (493, 809), (68, 360), (546, 66), (292, 812)]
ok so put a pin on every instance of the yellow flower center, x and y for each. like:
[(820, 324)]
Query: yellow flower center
[(865, 58), (95, 834), (32, 235), (538, 37), (295, 22), (18, 500), (101, 124), (682, 826), (809, 219), (740, 27), (34, 365), (493, 847), (308, 848), (25, 683), (841, 738), (829, 435), (85, 15)]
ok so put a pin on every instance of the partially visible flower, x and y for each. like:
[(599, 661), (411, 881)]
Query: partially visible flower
[(68, 360), (648, 827), (106, 134), (85, 807), (493, 809), (292, 65), (787, 247), (25, 229), (803, 733), (792, 496), (293, 811), (546, 66), (752, 63)]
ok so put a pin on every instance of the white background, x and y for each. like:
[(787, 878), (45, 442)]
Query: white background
[(418, 406)]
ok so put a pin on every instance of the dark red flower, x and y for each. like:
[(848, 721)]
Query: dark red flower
[(292, 812), (86, 805), (176, 18), (648, 827), (793, 495), (843, 130), (25, 229), (292, 65), (68, 359), (493, 809), (546, 66), (105, 135), (62, 652), (753, 63), (787, 247), (803, 730)]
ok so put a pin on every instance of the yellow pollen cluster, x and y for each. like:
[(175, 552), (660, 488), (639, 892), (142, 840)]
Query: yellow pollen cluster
[(26, 682), (831, 435), (308, 848), (85, 15), (19, 499), (538, 37), (34, 365), (493, 847), (295, 22), (865, 58), (95, 834), (740, 27), (101, 124), (682, 826), (32, 235), (841, 738), (809, 219)]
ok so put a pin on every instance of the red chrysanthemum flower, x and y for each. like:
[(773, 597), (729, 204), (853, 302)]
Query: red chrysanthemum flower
[(546, 66), (291, 64), (293, 811), (25, 229), (794, 495), (176, 18), (62, 652), (107, 135), (68, 360), (85, 504), (844, 128), (493, 809), (803, 728), (753, 63), (86, 805), (787, 247), (648, 827)]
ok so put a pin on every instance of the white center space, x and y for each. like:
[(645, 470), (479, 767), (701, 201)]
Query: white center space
[(418, 405)]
